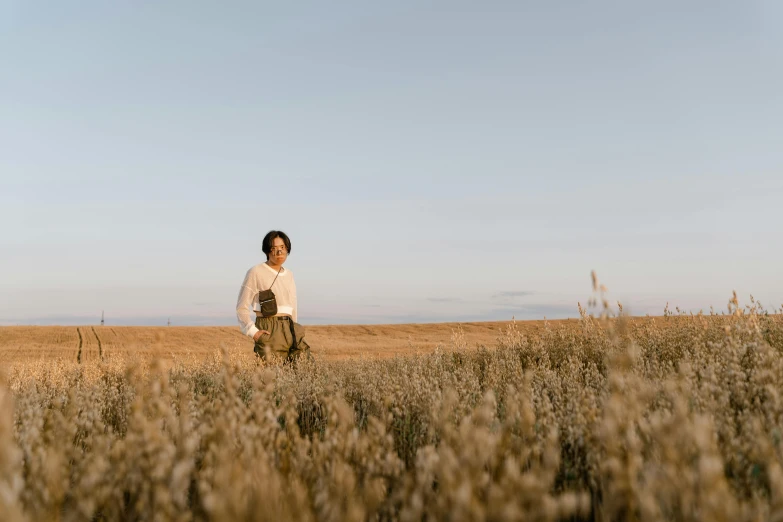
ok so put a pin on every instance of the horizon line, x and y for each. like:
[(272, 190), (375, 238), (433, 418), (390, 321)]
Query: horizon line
[(439, 321)]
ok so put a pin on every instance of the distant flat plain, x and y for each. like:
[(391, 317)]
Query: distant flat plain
[(87, 343)]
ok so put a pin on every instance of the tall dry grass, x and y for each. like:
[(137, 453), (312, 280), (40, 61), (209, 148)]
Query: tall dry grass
[(676, 419)]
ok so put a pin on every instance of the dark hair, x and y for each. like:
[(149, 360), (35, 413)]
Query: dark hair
[(266, 245)]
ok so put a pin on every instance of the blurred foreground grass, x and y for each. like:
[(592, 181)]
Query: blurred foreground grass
[(677, 418)]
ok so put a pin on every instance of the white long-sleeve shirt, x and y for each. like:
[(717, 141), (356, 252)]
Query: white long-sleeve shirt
[(259, 278)]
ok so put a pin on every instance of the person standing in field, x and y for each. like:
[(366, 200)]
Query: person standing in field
[(279, 334)]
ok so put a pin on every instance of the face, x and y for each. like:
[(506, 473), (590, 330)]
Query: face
[(278, 254)]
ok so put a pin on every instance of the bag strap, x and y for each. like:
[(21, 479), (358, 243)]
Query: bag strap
[(273, 282), (270, 286)]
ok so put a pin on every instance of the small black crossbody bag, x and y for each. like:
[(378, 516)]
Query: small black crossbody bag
[(267, 301)]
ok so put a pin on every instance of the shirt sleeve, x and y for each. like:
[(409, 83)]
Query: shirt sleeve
[(244, 301), (293, 299)]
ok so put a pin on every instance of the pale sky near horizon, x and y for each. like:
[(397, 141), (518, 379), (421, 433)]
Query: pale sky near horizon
[(431, 161)]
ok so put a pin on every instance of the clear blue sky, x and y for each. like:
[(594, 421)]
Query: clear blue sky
[(431, 161)]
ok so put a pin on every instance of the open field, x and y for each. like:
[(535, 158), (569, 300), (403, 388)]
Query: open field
[(85, 343), (646, 419)]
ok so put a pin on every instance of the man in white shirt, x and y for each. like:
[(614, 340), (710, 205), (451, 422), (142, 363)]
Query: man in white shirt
[(278, 334)]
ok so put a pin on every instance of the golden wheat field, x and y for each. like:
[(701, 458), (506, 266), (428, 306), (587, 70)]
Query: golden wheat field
[(87, 343), (604, 418)]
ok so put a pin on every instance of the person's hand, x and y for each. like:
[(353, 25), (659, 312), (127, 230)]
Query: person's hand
[(260, 333)]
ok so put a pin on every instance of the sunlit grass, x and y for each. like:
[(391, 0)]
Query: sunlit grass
[(677, 418)]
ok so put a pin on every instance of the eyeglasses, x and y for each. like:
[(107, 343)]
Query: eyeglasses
[(279, 251)]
